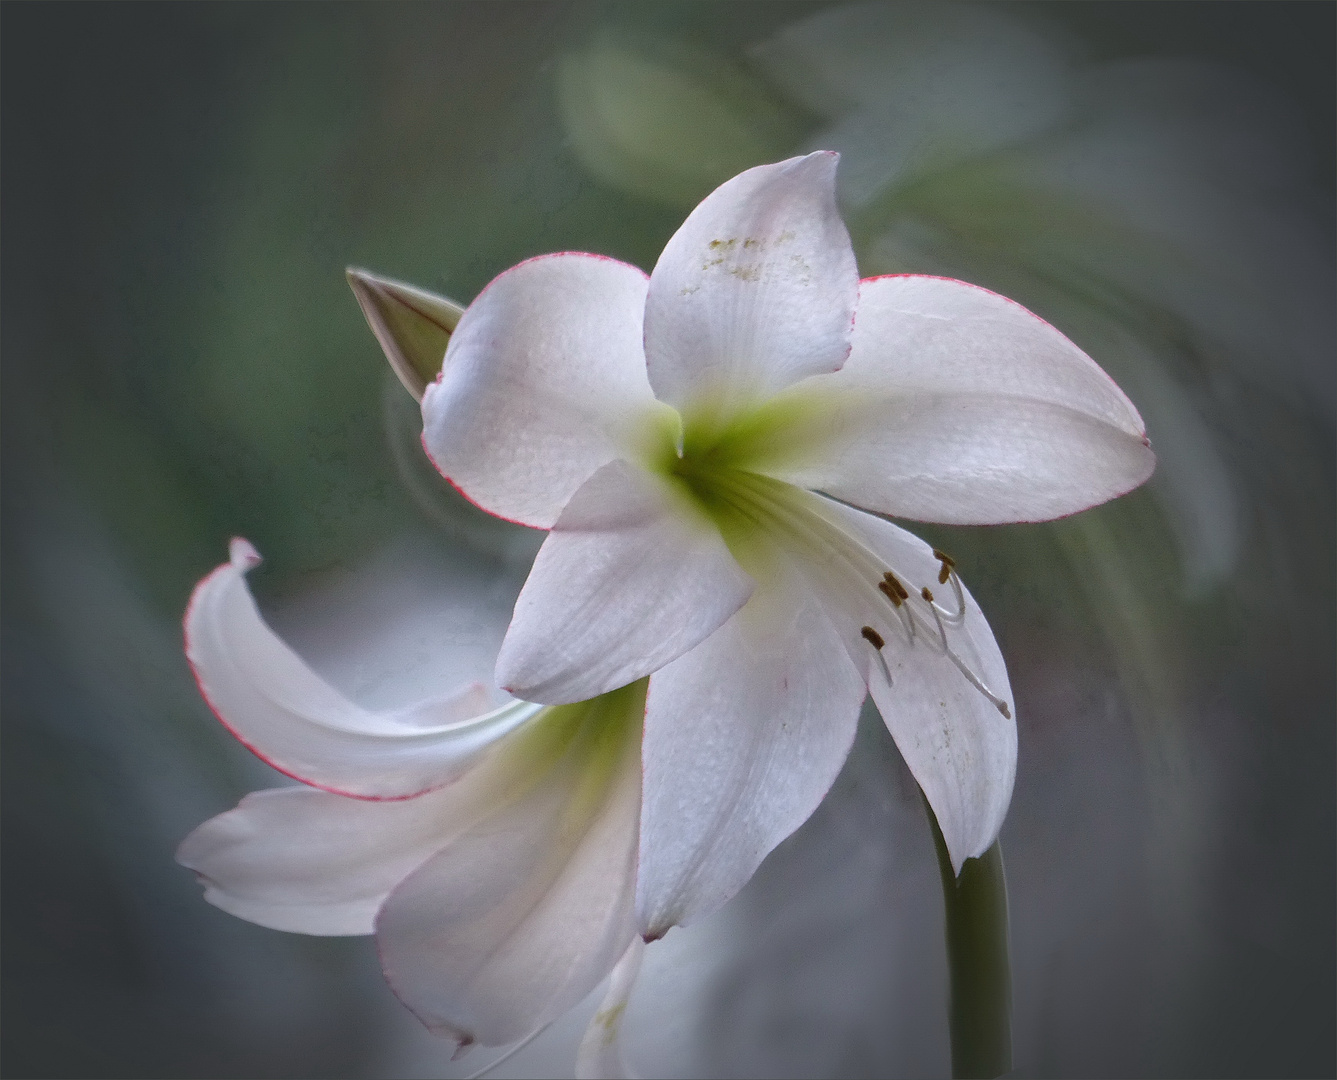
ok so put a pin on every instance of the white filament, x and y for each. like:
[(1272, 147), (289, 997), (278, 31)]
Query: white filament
[(752, 496)]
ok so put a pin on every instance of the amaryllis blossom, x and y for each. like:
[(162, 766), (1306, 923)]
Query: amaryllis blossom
[(711, 447), (492, 851)]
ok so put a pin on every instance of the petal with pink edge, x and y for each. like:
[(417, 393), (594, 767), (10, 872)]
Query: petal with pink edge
[(958, 405), (277, 706), (543, 382)]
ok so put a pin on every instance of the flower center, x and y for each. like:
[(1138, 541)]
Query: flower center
[(760, 518)]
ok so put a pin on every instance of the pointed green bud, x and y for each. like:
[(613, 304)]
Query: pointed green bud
[(412, 325)]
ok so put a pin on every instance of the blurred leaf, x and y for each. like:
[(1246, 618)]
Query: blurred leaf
[(661, 120)]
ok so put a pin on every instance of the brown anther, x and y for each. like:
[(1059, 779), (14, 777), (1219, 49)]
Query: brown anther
[(891, 580), (947, 563), (872, 637), (889, 591), (926, 594)]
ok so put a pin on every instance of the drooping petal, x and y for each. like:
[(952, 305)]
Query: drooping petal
[(519, 917), (960, 406), (311, 862), (960, 747), (631, 576), (600, 1054), (755, 291), (287, 714), (544, 381), (744, 735)]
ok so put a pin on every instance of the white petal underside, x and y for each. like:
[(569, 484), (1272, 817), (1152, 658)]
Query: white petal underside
[(631, 577), (311, 862), (958, 405), (543, 382), (744, 735), (521, 915), (315, 862), (287, 714), (755, 291)]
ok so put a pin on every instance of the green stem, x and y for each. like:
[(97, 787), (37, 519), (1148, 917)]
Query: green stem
[(977, 957)]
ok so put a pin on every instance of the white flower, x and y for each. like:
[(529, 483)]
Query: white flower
[(668, 432), (702, 627), (493, 852)]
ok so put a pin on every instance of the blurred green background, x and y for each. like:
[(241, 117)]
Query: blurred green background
[(182, 361)]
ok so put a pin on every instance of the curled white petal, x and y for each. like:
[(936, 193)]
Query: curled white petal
[(276, 705)]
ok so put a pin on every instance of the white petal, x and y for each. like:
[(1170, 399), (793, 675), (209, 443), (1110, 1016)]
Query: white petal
[(311, 862), (600, 1054), (631, 576), (755, 291), (287, 714), (744, 735), (960, 748), (958, 405), (522, 915), (543, 382)]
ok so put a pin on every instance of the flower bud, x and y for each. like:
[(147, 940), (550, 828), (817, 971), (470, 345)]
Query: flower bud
[(412, 325)]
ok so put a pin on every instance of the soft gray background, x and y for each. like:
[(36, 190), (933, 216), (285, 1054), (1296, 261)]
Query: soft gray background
[(182, 361)]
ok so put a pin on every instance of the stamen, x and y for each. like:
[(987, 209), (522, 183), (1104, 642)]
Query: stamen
[(509, 1053), (893, 590), (962, 667), (959, 616), (875, 639), (895, 583), (951, 618), (754, 497)]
